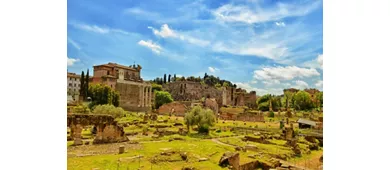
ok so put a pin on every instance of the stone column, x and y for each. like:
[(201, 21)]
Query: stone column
[(77, 135), (143, 96), (140, 97), (150, 97), (146, 96)]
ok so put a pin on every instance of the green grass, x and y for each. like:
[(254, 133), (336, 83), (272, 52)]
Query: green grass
[(194, 149)]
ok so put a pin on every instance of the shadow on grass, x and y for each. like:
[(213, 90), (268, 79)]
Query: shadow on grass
[(199, 135)]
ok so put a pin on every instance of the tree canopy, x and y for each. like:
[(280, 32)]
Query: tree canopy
[(162, 97), (203, 118), (102, 94)]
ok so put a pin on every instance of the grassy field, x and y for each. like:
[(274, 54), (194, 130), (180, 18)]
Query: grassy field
[(196, 146)]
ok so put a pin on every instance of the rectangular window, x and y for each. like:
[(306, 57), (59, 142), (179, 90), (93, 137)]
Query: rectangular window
[(70, 84), (79, 85)]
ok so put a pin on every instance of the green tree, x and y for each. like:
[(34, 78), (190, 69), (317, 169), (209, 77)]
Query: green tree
[(218, 86), (174, 77), (169, 78), (203, 118), (86, 85), (319, 99), (102, 94), (303, 101), (156, 87), (82, 85), (225, 84), (162, 97), (165, 78), (263, 102), (109, 109)]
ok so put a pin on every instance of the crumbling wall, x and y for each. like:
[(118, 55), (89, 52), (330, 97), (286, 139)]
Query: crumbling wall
[(179, 109), (211, 104), (108, 130)]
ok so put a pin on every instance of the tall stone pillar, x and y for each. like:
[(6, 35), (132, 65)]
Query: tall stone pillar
[(140, 97), (146, 96), (150, 97)]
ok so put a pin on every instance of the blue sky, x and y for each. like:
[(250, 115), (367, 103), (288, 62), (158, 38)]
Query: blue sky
[(261, 45)]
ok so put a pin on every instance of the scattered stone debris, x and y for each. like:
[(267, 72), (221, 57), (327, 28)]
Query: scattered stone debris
[(121, 149), (188, 168), (251, 147), (229, 158), (203, 159), (183, 156)]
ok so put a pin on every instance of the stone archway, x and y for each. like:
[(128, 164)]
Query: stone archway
[(107, 129)]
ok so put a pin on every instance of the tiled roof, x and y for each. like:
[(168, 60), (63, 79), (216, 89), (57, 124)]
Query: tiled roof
[(116, 65)]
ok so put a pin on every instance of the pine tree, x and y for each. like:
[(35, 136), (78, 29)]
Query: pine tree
[(165, 78), (86, 84), (169, 78), (82, 84), (174, 77)]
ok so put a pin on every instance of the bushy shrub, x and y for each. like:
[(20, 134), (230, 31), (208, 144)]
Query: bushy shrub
[(83, 109), (271, 114), (203, 118), (109, 110)]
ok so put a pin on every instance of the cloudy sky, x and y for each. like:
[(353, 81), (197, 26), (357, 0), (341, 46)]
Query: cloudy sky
[(261, 45)]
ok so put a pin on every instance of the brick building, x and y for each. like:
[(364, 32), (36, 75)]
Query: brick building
[(73, 86), (135, 94)]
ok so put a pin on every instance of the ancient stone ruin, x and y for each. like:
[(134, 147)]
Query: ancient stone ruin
[(107, 129), (212, 104), (175, 108)]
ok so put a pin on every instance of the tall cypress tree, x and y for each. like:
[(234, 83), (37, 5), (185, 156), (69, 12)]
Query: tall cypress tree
[(82, 84), (165, 78), (169, 78), (174, 77), (86, 84)]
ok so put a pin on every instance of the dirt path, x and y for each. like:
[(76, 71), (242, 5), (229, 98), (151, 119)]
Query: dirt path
[(221, 143)]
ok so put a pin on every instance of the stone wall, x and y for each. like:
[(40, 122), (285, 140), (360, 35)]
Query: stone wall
[(211, 104), (179, 109), (135, 96), (190, 91), (108, 130)]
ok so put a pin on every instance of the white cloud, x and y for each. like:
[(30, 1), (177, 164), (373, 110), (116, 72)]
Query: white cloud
[(74, 43), (299, 84), (213, 70), (280, 24), (259, 91), (257, 14), (271, 51), (98, 29), (319, 84), (153, 46), (253, 82), (139, 11), (71, 61), (316, 63), (271, 82), (167, 32), (320, 60), (284, 73)]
